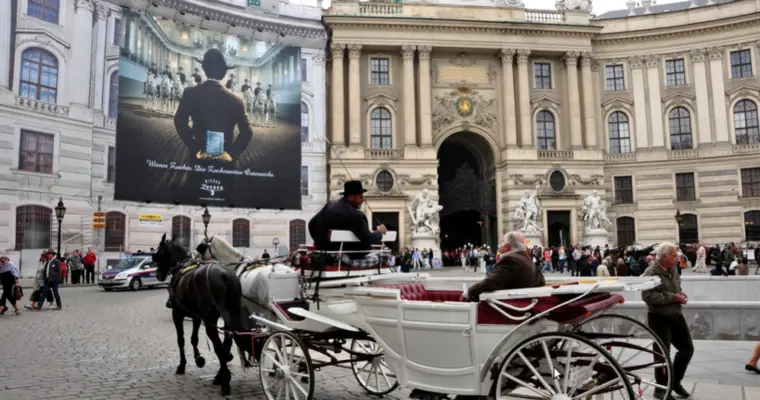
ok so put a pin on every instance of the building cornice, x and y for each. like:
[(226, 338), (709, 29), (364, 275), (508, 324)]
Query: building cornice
[(680, 31)]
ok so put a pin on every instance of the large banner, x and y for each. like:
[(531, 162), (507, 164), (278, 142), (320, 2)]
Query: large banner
[(206, 118)]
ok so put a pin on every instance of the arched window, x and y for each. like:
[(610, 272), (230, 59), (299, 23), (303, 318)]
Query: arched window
[(620, 133), (116, 231), (46, 10), (546, 134), (33, 227), (241, 232), (297, 234), (745, 122), (752, 226), (381, 132), (304, 122), (688, 229), (113, 96), (680, 129), (182, 229), (626, 231), (39, 75)]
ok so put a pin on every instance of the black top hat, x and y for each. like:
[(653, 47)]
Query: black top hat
[(50, 251), (353, 187), (213, 58)]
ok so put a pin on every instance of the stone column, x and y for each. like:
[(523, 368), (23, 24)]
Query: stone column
[(655, 100), (508, 100), (410, 119), (426, 118), (81, 53), (703, 100), (571, 62), (337, 95), (100, 56), (718, 95), (354, 95), (523, 82), (588, 101), (5, 44), (639, 102), (319, 83)]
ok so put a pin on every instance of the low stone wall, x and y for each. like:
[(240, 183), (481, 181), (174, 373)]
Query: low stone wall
[(714, 288)]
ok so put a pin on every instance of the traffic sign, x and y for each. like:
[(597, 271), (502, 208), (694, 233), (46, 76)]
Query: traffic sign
[(275, 241), (254, 3), (98, 220)]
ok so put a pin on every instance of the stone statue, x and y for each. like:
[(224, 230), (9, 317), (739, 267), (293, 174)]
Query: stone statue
[(594, 213), (423, 211), (526, 214), (574, 5)]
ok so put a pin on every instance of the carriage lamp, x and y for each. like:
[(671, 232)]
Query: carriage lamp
[(679, 217), (206, 219), (60, 212)]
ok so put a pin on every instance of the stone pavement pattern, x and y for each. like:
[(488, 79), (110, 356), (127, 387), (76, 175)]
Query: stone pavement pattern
[(122, 345)]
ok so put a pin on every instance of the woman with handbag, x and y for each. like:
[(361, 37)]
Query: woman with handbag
[(9, 278), (38, 285)]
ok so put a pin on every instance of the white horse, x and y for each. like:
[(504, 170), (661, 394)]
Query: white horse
[(167, 100), (258, 109), (151, 90), (177, 90), (248, 98), (270, 113)]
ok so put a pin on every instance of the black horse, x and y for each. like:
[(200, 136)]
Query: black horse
[(203, 293)]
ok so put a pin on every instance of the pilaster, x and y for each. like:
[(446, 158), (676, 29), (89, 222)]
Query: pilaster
[(718, 94), (100, 58), (703, 99), (655, 100), (5, 44), (82, 53), (354, 95), (639, 102), (508, 99), (426, 129), (337, 96), (523, 82), (571, 62), (589, 115), (410, 119)]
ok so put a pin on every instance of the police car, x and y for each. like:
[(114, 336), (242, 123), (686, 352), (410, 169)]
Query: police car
[(133, 273)]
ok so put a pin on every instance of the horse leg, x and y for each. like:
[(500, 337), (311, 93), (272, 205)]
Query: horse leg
[(179, 319), (224, 376), (199, 360)]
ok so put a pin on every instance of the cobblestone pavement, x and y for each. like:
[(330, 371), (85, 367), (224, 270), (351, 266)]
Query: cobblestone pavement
[(121, 345)]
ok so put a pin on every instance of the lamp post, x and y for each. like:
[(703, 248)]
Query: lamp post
[(206, 219), (60, 212), (679, 217)]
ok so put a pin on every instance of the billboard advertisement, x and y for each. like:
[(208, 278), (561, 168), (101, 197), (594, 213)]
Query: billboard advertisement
[(206, 118)]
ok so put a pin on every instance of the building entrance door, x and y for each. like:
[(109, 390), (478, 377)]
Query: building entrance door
[(558, 223)]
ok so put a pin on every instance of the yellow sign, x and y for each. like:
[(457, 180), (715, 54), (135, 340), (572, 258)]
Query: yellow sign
[(151, 220), (98, 220)]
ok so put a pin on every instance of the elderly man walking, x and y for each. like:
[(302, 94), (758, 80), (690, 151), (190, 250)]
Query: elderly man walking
[(665, 317)]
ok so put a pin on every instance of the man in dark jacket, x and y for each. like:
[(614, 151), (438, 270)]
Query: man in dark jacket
[(51, 277), (514, 270), (345, 215), (665, 306)]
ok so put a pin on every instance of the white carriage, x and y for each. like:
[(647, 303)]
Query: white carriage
[(554, 342)]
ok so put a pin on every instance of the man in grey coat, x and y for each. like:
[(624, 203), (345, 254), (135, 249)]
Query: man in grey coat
[(51, 276), (665, 317)]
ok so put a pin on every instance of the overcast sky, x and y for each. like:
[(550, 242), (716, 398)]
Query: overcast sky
[(600, 6)]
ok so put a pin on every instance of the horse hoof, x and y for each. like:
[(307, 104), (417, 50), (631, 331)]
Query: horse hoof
[(180, 370), (226, 389), (200, 362), (230, 357), (217, 381)]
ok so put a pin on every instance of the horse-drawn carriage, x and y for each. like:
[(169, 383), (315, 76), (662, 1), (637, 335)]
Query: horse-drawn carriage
[(553, 342)]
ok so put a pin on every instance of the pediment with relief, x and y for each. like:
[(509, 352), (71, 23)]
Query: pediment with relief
[(381, 100), (617, 103), (466, 105), (677, 99), (546, 103), (743, 91)]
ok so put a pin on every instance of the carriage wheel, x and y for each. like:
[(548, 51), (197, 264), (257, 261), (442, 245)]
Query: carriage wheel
[(285, 368), (373, 375), (559, 366), (636, 347)]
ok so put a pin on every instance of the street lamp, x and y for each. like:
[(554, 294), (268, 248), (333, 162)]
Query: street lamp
[(60, 212), (679, 217), (206, 219)]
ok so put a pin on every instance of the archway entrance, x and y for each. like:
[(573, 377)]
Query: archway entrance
[(467, 191)]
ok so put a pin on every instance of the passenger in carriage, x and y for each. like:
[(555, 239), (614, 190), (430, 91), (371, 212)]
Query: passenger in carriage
[(513, 270), (344, 214)]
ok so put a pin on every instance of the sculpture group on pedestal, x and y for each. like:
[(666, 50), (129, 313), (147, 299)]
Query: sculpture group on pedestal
[(527, 213), (423, 211), (594, 213)]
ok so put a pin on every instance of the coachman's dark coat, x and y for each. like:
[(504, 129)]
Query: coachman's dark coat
[(342, 215)]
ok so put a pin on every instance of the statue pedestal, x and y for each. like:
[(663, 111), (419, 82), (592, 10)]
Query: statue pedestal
[(595, 237), (533, 239), (427, 241)]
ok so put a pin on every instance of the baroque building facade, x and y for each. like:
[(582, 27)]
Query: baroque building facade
[(654, 107), (59, 69)]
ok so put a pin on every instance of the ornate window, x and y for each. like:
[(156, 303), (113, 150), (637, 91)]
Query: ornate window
[(686, 188), (304, 180), (615, 77), (542, 73), (557, 181), (241, 232), (33, 227), (675, 72), (620, 133), (39, 75), (304, 71), (380, 71), (741, 64), (750, 182), (36, 152), (623, 190), (381, 133), (304, 122), (752, 226), (46, 10), (113, 96), (546, 134), (111, 166), (384, 181), (688, 230), (745, 122), (680, 129), (117, 32), (116, 231), (626, 231), (297, 234), (182, 229)]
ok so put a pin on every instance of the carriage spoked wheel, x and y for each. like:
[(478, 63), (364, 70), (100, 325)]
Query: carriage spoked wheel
[(559, 366), (372, 372), (285, 368), (636, 348)]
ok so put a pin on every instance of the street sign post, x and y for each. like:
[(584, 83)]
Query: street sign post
[(254, 3), (275, 243), (98, 220)]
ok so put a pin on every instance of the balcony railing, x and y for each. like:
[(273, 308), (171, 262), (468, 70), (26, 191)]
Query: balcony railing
[(683, 154), (544, 16), (555, 154), (381, 9), (384, 154), (41, 107), (109, 123), (621, 158), (747, 148)]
